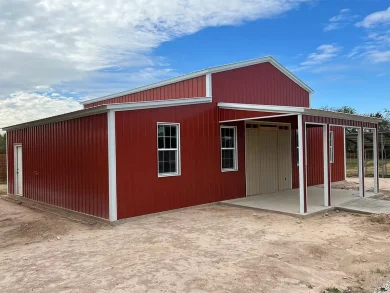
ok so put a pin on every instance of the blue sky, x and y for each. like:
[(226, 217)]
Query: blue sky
[(290, 38), (54, 54)]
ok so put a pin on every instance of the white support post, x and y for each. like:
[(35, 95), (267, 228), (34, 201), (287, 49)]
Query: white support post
[(375, 155), (383, 156), (345, 154), (302, 167), (6, 159), (327, 188), (112, 198), (360, 159)]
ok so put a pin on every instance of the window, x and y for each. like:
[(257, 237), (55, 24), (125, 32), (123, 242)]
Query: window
[(168, 143), (229, 148), (331, 149)]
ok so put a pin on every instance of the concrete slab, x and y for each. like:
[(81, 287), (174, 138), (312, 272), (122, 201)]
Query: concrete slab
[(366, 205), (287, 201)]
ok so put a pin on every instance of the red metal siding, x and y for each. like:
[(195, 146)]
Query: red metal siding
[(229, 114), (65, 164), (190, 88), (315, 158), (258, 84), (335, 121), (140, 191), (337, 168)]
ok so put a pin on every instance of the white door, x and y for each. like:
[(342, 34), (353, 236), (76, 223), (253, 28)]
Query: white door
[(18, 170)]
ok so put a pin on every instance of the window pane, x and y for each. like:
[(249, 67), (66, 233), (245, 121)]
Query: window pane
[(173, 143), (173, 130), (160, 130), (172, 166), (160, 143), (166, 156), (167, 130), (160, 156), (167, 142), (228, 159), (167, 162)]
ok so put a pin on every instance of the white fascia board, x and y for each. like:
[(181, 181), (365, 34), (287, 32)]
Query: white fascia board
[(115, 107), (262, 108), (338, 115), (157, 104), (205, 72)]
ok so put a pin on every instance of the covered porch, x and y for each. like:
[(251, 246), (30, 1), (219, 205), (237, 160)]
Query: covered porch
[(287, 201), (296, 195)]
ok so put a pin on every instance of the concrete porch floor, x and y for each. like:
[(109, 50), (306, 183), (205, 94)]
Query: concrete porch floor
[(287, 201)]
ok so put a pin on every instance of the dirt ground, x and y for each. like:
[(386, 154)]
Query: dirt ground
[(206, 249), (353, 183)]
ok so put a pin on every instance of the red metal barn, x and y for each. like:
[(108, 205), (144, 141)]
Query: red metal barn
[(221, 133)]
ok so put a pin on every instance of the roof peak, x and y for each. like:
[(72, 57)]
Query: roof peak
[(208, 70)]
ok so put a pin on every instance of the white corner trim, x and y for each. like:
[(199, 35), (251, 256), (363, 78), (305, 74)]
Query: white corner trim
[(157, 104), (209, 86), (112, 194), (7, 159), (210, 70)]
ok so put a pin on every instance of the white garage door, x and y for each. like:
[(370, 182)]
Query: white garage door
[(268, 158)]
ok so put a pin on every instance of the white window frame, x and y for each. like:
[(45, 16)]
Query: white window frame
[(331, 147), (235, 149), (177, 149)]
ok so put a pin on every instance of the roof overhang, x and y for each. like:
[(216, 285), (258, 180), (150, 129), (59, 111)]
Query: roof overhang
[(206, 71), (111, 107), (297, 111)]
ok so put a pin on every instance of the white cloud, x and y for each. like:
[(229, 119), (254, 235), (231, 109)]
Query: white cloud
[(375, 19), (22, 107), (376, 49), (342, 19), (56, 43), (324, 53)]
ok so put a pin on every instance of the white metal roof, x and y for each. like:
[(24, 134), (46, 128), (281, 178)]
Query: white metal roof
[(298, 110), (209, 70), (113, 107)]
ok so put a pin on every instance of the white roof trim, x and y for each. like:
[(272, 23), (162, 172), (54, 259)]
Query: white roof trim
[(114, 107), (297, 110), (205, 72), (157, 104)]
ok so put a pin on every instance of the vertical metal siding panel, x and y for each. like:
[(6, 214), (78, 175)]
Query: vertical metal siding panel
[(65, 164), (338, 165), (201, 181), (190, 88), (261, 84), (315, 163)]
